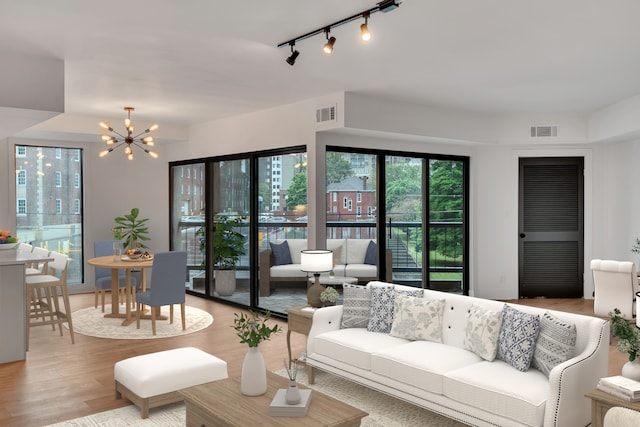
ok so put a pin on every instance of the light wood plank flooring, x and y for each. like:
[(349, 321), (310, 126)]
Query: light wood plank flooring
[(60, 381)]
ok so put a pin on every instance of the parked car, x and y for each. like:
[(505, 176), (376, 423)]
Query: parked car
[(277, 219)]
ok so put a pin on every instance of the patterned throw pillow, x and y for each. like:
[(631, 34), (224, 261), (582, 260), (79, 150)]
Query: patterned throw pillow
[(518, 337), (281, 253), (556, 343), (356, 306), (382, 307), (482, 331), (417, 318)]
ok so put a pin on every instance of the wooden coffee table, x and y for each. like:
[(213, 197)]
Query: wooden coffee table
[(220, 403)]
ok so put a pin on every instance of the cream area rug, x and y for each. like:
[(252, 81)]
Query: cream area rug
[(384, 411), (91, 321)]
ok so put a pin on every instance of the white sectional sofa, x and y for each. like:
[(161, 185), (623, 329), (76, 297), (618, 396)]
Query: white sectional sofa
[(349, 256), (455, 377)]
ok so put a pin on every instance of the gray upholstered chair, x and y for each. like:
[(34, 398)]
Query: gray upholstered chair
[(167, 286), (103, 275), (615, 284), (621, 417)]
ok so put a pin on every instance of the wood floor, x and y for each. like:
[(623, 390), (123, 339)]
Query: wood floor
[(60, 381)]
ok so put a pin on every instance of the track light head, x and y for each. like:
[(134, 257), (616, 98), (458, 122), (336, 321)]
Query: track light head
[(292, 59), (365, 35), (328, 46)]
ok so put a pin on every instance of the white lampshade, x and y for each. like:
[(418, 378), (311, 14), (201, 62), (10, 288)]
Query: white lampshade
[(316, 260)]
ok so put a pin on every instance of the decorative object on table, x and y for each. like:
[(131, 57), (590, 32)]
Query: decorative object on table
[(628, 342), (292, 396), (620, 386), (329, 296), (8, 240), (316, 261), (129, 139), (252, 329), (280, 408), (227, 245), (131, 230)]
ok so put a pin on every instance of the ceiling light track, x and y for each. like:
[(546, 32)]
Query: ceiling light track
[(383, 6)]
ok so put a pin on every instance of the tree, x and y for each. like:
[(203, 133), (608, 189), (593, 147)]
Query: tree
[(404, 183), (445, 200), (297, 192), (338, 168)]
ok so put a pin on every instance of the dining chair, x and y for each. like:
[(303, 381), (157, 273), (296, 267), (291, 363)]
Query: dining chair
[(615, 284), (103, 275), (44, 307), (167, 286)]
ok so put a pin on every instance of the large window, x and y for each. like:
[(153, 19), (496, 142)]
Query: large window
[(49, 202)]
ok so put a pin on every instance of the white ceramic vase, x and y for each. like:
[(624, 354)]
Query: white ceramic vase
[(292, 396), (254, 373), (631, 370)]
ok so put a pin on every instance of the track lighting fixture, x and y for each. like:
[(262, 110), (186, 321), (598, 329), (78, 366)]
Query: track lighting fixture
[(383, 6), (328, 46), (294, 55), (365, 35)]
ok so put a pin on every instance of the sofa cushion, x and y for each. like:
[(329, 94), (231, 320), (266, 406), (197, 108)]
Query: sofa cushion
[(356, 250), (417, 318), (518, 336), (382, 306), (295, 247), (287, 271), (499, 389), (556, 343), (356, 306), (371, 256), (407, 363), (482, 332), (281, 254), (339, 251), (361, 271), (353, 346)]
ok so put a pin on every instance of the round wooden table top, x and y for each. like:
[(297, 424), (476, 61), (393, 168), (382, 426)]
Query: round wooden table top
[(123, 262)]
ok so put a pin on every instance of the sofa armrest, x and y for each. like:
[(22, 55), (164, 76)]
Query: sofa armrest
[(325, 319), (569, 381), (266, 261)]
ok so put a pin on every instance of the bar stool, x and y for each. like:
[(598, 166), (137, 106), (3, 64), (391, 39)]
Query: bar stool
[(43, 308)]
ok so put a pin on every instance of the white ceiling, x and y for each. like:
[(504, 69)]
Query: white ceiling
[(184, 62)]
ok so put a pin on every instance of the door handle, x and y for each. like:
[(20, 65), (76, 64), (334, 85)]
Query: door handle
[(522, 235)]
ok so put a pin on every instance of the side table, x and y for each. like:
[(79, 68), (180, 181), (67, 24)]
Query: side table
[(602, 401), (300, 320)]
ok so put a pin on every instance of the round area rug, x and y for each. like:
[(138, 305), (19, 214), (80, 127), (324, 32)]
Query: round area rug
[(91, 321)]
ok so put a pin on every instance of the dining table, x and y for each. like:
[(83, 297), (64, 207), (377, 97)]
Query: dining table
[(115, 264)]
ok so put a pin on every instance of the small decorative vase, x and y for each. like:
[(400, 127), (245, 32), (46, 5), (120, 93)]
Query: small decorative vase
[(631, 370), (253, 381), (292, 396), (313, 295)]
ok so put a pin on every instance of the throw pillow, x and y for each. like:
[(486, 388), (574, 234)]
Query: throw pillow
[(382, 307), (518, 337), (556, 343), (371, 256), (281, 254), (356, 306), (482, 331), (418, 318)]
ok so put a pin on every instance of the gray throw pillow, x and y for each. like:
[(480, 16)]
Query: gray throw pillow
[(356, 306), (371, 256), (281, 254), (556, 343), (518, 337)]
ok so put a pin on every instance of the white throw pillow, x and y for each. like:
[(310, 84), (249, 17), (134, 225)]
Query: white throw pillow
[(356, 306), (417, 318), (556, 343), (482, 332)]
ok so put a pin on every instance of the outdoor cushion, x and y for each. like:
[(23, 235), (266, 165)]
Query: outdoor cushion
[(281, 254), (371, 255)]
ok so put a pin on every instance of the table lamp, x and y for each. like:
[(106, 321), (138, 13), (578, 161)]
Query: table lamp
[(316, 261)]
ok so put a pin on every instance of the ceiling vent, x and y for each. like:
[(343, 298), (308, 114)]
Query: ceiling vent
[(541, 131), (327, 114)]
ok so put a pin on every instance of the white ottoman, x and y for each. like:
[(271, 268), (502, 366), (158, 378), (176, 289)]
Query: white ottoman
[(154, 379)]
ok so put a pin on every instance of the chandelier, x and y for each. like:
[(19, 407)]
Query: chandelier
[(129, 139)]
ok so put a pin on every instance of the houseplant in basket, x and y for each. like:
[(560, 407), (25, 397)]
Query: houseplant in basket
[(227, 245), (252, 329)]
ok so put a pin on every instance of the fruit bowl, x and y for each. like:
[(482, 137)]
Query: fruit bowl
[(8, 246)]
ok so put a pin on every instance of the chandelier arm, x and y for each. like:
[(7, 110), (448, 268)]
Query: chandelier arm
[(142, 133), (117, 133), (139, 146)]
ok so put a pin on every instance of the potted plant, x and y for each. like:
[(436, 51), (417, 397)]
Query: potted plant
[(329, 296), (252, 329), (628, 342), (227, 245), (131, 230)]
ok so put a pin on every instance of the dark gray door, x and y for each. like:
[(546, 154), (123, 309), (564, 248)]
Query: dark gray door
[(550, 227)]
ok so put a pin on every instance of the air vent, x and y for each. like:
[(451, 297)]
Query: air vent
[(327, 114), (541, 131)]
